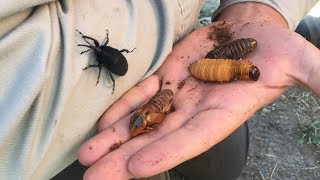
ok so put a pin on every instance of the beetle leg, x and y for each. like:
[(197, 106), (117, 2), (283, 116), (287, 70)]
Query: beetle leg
[(127, 51), (107, 38), (100, 68), (96, 43), (113, 81), (95, 65), (147, 129), (85, 51), (91, 66)]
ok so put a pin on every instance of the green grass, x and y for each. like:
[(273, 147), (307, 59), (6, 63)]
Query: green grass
[(311, 133), (204, 13)]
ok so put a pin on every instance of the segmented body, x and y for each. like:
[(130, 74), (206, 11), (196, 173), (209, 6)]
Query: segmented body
[(236, 49), (224, 70), (147, 116), (160, 102)]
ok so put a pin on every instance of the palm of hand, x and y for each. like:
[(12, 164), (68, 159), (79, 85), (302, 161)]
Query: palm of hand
[(205, 113)]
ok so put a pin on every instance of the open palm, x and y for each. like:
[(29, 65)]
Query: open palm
[(205, 113)]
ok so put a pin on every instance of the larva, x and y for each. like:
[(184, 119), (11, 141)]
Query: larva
[(224, 70), (149, 115), (236, 49)]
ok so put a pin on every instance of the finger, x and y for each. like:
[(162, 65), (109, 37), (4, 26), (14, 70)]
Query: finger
[(114, 164), (118, 133), (197, 136), (130, 101), (103, 143)]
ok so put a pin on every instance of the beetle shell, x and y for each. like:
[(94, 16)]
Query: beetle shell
[(224, 70), (106, 56), (152, 113), (236, 49), (112, 59)]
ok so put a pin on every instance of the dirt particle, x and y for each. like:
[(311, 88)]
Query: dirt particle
[(245, 24), (90, 147), (181, 84), (156, 162), (168, 82), (113, 129), (115, 145)]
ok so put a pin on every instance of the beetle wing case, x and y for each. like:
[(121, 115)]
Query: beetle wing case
[(120, 68)]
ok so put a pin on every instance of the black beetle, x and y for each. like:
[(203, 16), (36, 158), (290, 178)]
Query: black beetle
[(111, 58)]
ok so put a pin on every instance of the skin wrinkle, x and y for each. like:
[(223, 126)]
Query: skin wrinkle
[(299, 75), (311, 72), (107, 123)]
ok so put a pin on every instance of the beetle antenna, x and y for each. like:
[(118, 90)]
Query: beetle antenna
[(91, 47), (85, 51)]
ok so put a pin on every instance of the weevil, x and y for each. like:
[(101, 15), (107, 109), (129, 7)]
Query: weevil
[(236, 49), (149, 115), (106, 56), (224, 70)]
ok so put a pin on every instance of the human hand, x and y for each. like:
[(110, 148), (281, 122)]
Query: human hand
[(205, 113)]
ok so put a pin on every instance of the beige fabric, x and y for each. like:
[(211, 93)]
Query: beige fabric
[(48, 105)]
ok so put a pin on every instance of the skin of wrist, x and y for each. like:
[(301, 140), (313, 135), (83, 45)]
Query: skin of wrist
[(252, 11), (308, 68)]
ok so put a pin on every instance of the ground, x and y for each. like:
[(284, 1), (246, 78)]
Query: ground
[(277, 148), (284, 136)]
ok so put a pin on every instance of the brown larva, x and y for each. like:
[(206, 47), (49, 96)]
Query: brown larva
[(236, 49), (224, 70), (149, 115)]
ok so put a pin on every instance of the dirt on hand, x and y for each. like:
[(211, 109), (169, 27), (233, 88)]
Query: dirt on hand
[(220, 33)]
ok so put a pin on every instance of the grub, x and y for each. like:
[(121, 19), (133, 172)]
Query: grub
[(224, 70)]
